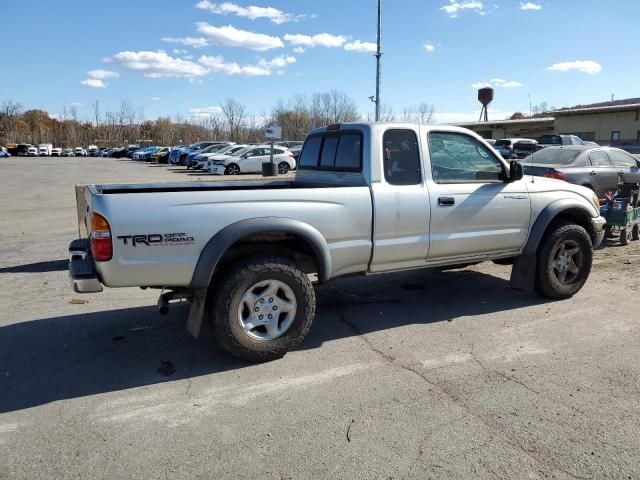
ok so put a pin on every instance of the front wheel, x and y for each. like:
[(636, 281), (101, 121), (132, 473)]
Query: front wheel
[(625, 236), (232, 169), (262, 308), (564, 261)]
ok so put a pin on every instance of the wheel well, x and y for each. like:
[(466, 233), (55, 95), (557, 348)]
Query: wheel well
[(271, 243), (572, 215)]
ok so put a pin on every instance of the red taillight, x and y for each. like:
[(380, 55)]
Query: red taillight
[(554, 174), (101, 246), (333, 126)]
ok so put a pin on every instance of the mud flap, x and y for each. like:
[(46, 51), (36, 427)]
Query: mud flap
[(523, 273), (196, 312)]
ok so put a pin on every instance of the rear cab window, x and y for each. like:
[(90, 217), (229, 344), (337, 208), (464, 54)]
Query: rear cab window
[(339, 151)]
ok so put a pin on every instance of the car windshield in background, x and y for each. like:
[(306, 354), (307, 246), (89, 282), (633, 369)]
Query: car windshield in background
[(502, 143), (550, 140), (553, 156)]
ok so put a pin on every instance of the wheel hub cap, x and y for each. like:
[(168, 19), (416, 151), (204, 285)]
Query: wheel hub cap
[(267, 310)]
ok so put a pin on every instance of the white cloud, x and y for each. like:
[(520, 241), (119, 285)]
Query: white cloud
[(318, 40), (56, 116), (217, 64), (278, 62), (230, 36), (205, 112), (454, 7), (195, 42), (76, 104), (155, 99), (530, 6), (157, 64), (299, 50), (251, 12), (429, 47), (179, 51), (363, 47), (586, 66), (102, 74), (94, 83), (497, 83)]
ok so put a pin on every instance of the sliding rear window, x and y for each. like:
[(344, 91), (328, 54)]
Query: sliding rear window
[(340, 151)]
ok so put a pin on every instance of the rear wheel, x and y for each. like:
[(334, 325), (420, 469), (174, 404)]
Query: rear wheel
[(283, 168), (635, 232), (262, 308), (564, 261), (232, 169)]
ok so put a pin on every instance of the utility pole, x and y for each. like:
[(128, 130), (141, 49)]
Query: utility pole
[(378, 56)]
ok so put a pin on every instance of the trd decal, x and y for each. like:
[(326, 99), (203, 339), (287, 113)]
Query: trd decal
[(153, 239)]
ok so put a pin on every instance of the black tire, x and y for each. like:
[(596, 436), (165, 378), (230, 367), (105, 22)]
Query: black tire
[(549, 282), (232, 169), (283, 168), (225, 313), (183, 160), (635, 232), (625, 236)]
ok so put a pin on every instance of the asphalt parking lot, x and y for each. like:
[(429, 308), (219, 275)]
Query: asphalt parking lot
[(423, 374)]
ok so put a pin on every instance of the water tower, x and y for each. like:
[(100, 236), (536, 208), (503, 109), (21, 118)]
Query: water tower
[(485, 97)]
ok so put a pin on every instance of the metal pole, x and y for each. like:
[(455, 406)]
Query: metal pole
[(378, 56)]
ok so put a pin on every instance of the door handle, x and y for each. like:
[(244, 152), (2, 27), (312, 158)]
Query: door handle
[(446, 201), (592, 172)]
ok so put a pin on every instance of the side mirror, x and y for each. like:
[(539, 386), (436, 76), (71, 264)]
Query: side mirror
[(516, 171)]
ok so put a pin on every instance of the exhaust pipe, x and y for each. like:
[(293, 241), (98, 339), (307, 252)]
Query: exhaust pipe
[(166, 298)]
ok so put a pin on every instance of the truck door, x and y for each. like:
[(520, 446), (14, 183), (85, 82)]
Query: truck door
[(401, 204), (474, 211)]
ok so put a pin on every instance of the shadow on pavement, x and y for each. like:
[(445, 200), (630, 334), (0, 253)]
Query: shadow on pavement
[(72, 356), (38, 267)]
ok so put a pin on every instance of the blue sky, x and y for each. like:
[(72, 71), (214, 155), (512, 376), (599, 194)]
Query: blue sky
[(183, 56)]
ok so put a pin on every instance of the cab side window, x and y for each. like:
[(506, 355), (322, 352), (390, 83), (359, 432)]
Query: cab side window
[(599, 158), (401, 157), (459, 158)]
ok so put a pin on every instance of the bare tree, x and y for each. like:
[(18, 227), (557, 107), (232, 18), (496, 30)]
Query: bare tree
[(235, 114)]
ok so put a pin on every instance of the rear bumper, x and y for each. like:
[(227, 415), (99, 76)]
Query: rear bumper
[(82, 271), (598, 224)]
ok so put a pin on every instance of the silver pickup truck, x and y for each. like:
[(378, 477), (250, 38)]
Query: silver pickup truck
[(366, 199)]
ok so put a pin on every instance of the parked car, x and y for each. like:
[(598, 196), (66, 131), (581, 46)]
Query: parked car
[(33, 151), (56, 152), (44, 149), (504, 146), (524, 149), (92, 151), (597, 168), (250, 160), (185, 151), (557, 140), (195, 159), (290, 143), (68, 152), (208, 158), (368, 198), (4, 152), (80, 152), (22, 150), (144, 153), (160, 156)]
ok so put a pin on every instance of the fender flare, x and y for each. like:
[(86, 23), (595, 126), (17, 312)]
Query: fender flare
[(523, 273), (218, 245), (547, 216)]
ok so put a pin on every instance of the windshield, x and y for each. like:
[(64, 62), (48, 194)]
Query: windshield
[(502, 143), (553, 156)]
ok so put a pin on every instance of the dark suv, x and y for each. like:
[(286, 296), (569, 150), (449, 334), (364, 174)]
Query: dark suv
[(558, 140)]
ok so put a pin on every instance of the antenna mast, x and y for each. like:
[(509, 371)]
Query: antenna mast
[(378, 55)]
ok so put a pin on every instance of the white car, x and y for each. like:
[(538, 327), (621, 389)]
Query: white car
[(32, 151), (204, 161), (67, 152), (250, 160), (80, 152), (56, 152)]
